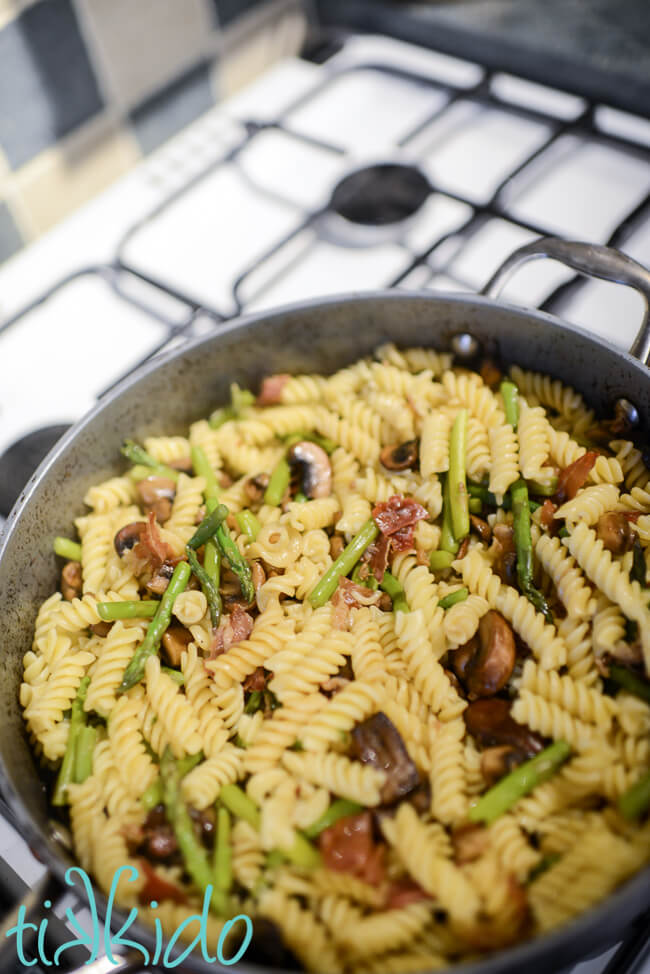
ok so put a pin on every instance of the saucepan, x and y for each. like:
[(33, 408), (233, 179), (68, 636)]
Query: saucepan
[(320, 335)]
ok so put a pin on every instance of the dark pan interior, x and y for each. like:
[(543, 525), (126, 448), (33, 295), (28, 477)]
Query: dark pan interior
[(179, 388)]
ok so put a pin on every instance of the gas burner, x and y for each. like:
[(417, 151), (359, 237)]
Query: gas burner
[(385, 193), (20, 460)]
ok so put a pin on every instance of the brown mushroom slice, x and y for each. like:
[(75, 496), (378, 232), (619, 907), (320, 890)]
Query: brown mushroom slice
[(482, 528), (157, 495), (400, 456), (175, 641), (158, 582), (497, 762), (316, 468), (128, 536), (254, 487), (490, 723), (71, 580), (377, 742), (491, 666), (101, 628), (616, 532)]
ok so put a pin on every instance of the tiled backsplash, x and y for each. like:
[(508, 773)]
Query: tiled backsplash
[(87, 87)]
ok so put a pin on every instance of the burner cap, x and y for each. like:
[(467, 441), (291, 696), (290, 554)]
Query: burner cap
[(381, 194), (20, 460)]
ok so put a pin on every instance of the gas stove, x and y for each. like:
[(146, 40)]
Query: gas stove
[(384, 165)]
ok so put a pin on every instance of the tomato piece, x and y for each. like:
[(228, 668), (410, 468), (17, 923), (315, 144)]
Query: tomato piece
[(348, 846), (546, 513), (573, 477), (157, 888), (401, 892)]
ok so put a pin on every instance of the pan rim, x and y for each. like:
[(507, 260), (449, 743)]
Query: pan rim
[(509, 959)]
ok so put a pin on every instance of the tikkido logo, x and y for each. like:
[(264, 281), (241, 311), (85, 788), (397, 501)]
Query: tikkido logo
[(102, 941)]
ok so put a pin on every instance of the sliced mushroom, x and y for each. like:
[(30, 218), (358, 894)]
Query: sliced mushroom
[(128, 536), (316, 468), (101, 628), (497, 762), (257, 574), (159, 581), (175, 641), (492, 661), (616, 532), (337, 544), (255, 486), (377, 742), (400, 456), (482, 528), (71, 580), (490, 723), (161, 843), (470, 842), (157, 495)]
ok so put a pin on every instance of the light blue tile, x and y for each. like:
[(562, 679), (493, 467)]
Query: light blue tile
[(170, 110), (47, 85), (10, 238)]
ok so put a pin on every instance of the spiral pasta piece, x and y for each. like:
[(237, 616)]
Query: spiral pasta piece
[(504, 450), (202, 785), (589, 504), (434, 872), (597, 563), (569, 582), (348, 779), (173, 710), (448, 785), (577, 699), (351, 705)]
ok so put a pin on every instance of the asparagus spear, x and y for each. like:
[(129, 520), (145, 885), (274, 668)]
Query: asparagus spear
[(630, 681), (447, 539), (240, 399), (210, 590), (518, 783), (453, 598), (278, 483), (202, 468), (67, 549), (151, 642), (236, 562), (223, 853), (340, 808), (438, 560), (457, 478), (208, 526), (636, 800), (138, 455), (510, 395), (301, 853), (77, 722), (390, 585), (238, 802), (153, 795), (83, 758), (524, 548), (194, 854), (248, 524), (110, 611), (344, 564)]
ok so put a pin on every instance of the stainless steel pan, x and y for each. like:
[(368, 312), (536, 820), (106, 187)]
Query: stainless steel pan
[(322, 335)]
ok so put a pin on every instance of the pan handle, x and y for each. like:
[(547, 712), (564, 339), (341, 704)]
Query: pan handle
[(593, 260)]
